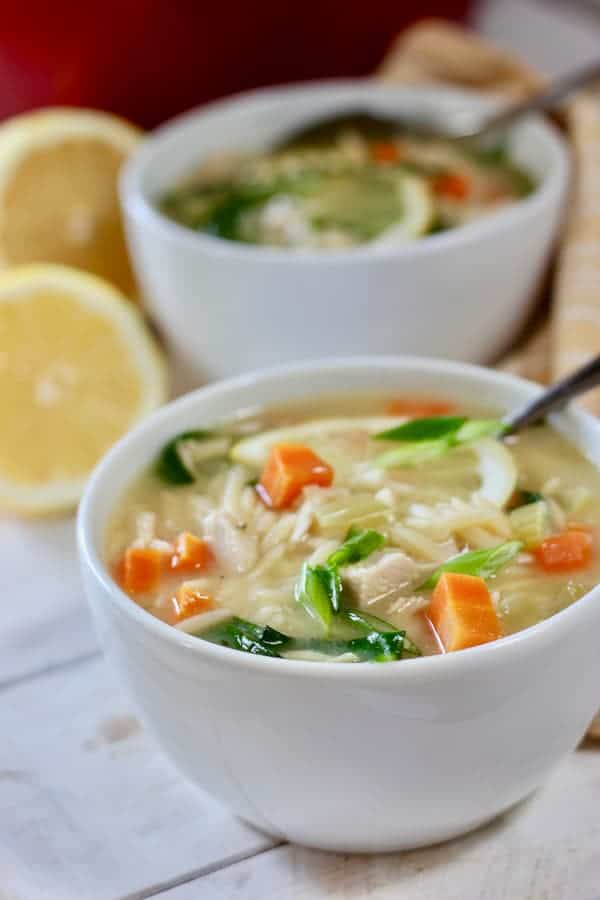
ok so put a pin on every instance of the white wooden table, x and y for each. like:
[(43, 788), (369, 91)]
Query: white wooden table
[(90, 809)]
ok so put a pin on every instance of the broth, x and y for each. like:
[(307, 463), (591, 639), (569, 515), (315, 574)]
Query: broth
[(346, 188), (428, 500)]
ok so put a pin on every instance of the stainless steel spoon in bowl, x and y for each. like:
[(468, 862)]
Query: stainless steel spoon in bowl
[(557, 396), (464, 125)]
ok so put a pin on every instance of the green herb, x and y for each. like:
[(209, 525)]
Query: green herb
[(320, 590), (332, 582), (483, 563), (457, 429), (359, 544), (170, 467), (252, 482), (312, 592), (427, 438), (473, 429), (262, 640), (412, 454), (426, 429)]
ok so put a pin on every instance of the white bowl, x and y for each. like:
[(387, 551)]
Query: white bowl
[(227, 307), (364, 757)]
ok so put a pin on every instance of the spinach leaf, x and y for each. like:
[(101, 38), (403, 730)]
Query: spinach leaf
[(262, 640), (376, 646), (473, 429), (483, 563), (367, 622), (169, 466), (239, 634), (359, 544), (224, 219)]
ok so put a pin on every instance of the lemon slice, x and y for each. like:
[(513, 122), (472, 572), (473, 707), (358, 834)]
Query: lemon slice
[(418, 213), (78, 367), (325, 436), (58, 191)]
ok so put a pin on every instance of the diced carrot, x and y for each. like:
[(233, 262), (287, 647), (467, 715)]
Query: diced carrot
[(416, 408), (289, 468), (385, 152), (462, 612), (189, 601), (140, 569), (191, 553), (565, 552), (451, 185)]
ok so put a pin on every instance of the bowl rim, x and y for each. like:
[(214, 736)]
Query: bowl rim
[(138, 205), (500, 652)]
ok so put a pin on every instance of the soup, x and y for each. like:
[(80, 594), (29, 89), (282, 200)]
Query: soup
[(342, 189), (358, 529)]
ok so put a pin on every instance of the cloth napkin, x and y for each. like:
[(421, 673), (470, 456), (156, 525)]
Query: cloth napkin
[(565, 332)]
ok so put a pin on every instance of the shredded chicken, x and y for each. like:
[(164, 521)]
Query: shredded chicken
[(235, 549), (385, 575)]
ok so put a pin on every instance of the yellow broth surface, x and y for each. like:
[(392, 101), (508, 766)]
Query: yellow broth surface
[(427, 513), (345, 189)]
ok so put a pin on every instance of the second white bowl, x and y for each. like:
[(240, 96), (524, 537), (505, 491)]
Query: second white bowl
[(227, 307)]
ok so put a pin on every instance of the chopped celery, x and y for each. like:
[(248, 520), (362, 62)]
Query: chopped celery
[(483, 563), (531, 523), (313, 592), (427, 438), (358, 545)]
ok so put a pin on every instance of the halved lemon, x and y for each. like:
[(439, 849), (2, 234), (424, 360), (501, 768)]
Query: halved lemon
[(418, 213), (78, 366), (58, 191)]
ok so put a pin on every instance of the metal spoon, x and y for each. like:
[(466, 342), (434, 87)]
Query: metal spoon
[(462, 125), (555, 397), (547, 98)]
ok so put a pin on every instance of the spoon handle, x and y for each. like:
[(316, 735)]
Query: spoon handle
[(544, 99), (556, 397)]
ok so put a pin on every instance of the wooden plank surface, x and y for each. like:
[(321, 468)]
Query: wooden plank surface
[(89, 808), (43, 615), (548, 848)]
